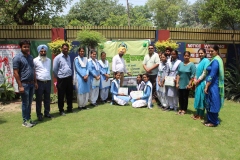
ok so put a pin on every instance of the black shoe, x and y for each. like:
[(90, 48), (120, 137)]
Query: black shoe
[(165, 108), (80, 108), (70, 111), (62, 114), (85, 108), (40, 118), (48, 116), (94, 104), (169, 109)]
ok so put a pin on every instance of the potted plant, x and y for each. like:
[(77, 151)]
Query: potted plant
[(56, 46), (162, 45), (90, 39)]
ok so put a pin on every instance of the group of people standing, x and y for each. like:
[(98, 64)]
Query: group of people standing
[(167, 79)]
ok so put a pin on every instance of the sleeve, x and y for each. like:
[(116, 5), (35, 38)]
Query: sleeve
[(108, 71), (55, 66), (114, 64), (193, 70), (90, 68), (142, 86), (77, 68), (101, 69), (146, 94), (204, 73), (16, 62), (144, 61), (168, 70), (157, 60), (178, 69), (113, 91), (125, 68), (214, 71)]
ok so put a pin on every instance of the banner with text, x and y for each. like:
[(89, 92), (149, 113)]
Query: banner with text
[(193, 49), (136, 50)]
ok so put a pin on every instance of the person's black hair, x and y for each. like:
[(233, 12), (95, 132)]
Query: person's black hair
[(186, 52), (176, 54), (216, 48), (115, 73), (102, 53), (165, 54), (204, 51), (92, 51), (140, 75), (169, 48), (151, 45), (65, 44), (145, 74), (22, 42), (79, 49)]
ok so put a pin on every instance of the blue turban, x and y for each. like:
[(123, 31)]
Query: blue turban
[(42, 46)]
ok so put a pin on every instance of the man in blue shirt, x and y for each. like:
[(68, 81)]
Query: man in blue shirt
[(24, 74), (62, 70)]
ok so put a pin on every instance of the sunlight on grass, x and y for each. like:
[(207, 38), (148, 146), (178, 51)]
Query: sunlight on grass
[(115, 132)]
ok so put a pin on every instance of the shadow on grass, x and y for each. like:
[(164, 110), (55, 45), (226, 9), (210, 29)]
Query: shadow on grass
[(2, 121)]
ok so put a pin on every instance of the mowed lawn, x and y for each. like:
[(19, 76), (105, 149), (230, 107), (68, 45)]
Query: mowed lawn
[(119, 133)]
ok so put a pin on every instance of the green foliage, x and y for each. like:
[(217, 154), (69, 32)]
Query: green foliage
[(75, 22), (95, 11), (165, 12), (29, 12), (90, 38), (56, 46), (232, 83), (162, 45), (222, 14), (6, 90), (54, 98)]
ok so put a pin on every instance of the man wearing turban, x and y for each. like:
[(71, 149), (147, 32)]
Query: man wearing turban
[(42, 65), (118, 64)]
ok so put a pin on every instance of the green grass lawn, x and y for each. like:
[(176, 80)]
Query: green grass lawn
[(116, 132)]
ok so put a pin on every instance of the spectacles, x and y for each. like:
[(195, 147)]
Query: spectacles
[(150, 48), (43, 51)]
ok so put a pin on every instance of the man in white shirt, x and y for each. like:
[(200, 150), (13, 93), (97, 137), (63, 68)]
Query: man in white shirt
[(118, 64), (42, 66), (150, 65)]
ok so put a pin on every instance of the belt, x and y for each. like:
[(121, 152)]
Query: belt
[(44, 81), (28, 82)]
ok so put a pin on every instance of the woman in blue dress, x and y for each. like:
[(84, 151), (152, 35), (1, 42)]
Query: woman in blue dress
[(118, 98), (104, 73), (185, 77), (199, 82), (214, 88), (81, 79), (94, 75), (146, 99)]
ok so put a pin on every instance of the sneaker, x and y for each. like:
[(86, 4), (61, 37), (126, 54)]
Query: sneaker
[(27, 124), (32, 122), (62, 114)]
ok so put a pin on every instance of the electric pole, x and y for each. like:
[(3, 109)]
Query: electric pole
[(128, 13)]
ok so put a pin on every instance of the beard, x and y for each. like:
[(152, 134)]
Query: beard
[(43, 58)]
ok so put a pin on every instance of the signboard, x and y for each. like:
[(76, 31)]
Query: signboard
[(136, 50), (193, 49), (7, 52)]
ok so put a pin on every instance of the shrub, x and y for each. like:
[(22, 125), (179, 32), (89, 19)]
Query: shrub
[(56, 46), (162, 45)]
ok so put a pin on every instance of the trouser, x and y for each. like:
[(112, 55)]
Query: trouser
[(26, 98), (104, 93), (213, 118), (82, 99), (183, 99), (152, 79), (65, 87), (200, 112), (172, 102), (93, 95), (44, 89)]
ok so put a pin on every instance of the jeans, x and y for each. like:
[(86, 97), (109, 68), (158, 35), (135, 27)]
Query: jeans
[(27, 97), (44, 89)]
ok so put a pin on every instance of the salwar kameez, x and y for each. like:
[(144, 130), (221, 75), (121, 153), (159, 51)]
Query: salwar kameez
[(104, 69)]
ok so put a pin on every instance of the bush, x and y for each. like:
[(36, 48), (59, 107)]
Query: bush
[(162, 45), (6, 90), (56, 46)]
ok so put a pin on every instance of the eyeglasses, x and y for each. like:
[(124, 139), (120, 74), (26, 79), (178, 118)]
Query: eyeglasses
[(150, 48)]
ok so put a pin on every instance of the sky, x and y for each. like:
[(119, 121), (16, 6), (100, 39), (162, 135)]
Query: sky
[(124, 2)]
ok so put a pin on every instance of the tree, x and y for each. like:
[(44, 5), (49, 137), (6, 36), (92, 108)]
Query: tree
[(222, 14), (165, 12), (29, 12), (95, 11), (139, 16), (189, 16)]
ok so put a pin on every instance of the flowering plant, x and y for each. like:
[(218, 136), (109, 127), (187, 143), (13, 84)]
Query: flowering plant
[(162, 45), (56, 46)]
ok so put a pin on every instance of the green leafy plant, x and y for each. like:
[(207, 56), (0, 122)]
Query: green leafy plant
[(232, 83), (162, 45), (90, 38), (6, 90), (56, 46), (54, 98)]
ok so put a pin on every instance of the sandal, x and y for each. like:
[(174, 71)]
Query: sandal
[(209, 125), (197, 117), (179, 112), (194, 116), (204, 122), (183, 112)]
